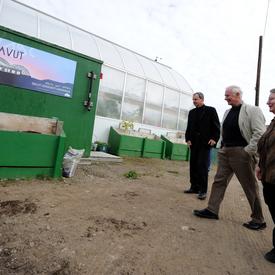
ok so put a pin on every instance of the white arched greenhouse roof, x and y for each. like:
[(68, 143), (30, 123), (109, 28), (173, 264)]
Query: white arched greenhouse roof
[(24, 19)]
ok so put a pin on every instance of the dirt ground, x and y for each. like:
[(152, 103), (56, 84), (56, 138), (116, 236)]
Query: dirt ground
[(101, 222)]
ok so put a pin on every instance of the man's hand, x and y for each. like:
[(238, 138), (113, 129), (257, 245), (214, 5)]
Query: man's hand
[(211, 142), (189, 143)]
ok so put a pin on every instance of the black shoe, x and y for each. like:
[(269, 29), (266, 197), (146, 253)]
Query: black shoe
[(190, 191), (270, 256), (205, 213), (201, 196), (255, 225)]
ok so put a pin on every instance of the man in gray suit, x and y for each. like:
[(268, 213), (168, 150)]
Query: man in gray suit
[(242, 127)]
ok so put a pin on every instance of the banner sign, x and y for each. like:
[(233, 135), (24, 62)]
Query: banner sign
[(29, 68)]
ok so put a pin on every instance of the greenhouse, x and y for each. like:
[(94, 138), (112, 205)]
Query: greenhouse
[(132, 87)]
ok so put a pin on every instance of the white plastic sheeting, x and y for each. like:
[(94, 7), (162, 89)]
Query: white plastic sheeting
[(21, 18)]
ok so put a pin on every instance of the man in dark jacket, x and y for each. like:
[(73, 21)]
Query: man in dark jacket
[(202, 133)]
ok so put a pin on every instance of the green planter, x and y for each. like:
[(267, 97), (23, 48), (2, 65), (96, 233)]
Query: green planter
[(28, 155), (175, 151), (153, 148), (124, 145), (127, 145)]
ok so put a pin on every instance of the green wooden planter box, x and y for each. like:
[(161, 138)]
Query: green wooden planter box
[(124, 145), (28, 155), (175, 151), (154, 148)]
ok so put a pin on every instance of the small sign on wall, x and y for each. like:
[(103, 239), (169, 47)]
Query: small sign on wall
[(29, 68)]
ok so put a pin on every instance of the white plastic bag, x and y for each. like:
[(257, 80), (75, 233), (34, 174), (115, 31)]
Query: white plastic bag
[(70, 161)]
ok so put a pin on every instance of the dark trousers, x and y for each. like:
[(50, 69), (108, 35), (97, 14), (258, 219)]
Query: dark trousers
[(269, 197), (199, 163)]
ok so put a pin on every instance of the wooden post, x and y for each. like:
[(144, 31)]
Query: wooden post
[(258, 79)]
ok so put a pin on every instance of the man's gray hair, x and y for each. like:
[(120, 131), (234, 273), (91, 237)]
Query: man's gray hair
[(235, 89), (272, 91), (200, 95)]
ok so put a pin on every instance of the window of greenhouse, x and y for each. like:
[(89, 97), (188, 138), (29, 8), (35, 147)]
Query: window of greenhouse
[(167, 76), (19, 18), (55, 32), (150, 70), (109, 53), (84, 42), (171, 109), (185, 106), (133, 99), (153, 106), (182, 83), (131, 62), (110, 93)]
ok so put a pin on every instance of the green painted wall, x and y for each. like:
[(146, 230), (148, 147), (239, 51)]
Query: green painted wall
[(78, 122)]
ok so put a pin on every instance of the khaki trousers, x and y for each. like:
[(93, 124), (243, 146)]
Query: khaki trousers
[(235, 160)]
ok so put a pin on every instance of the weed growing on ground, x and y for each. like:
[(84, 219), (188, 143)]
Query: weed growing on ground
[(131, 175)]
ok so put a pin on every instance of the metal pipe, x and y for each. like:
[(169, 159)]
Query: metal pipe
[(258, 79)]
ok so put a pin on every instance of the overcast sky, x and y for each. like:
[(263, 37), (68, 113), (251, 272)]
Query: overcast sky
[(212, 43)]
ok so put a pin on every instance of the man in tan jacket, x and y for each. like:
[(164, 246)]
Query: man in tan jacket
[(242, 127)]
